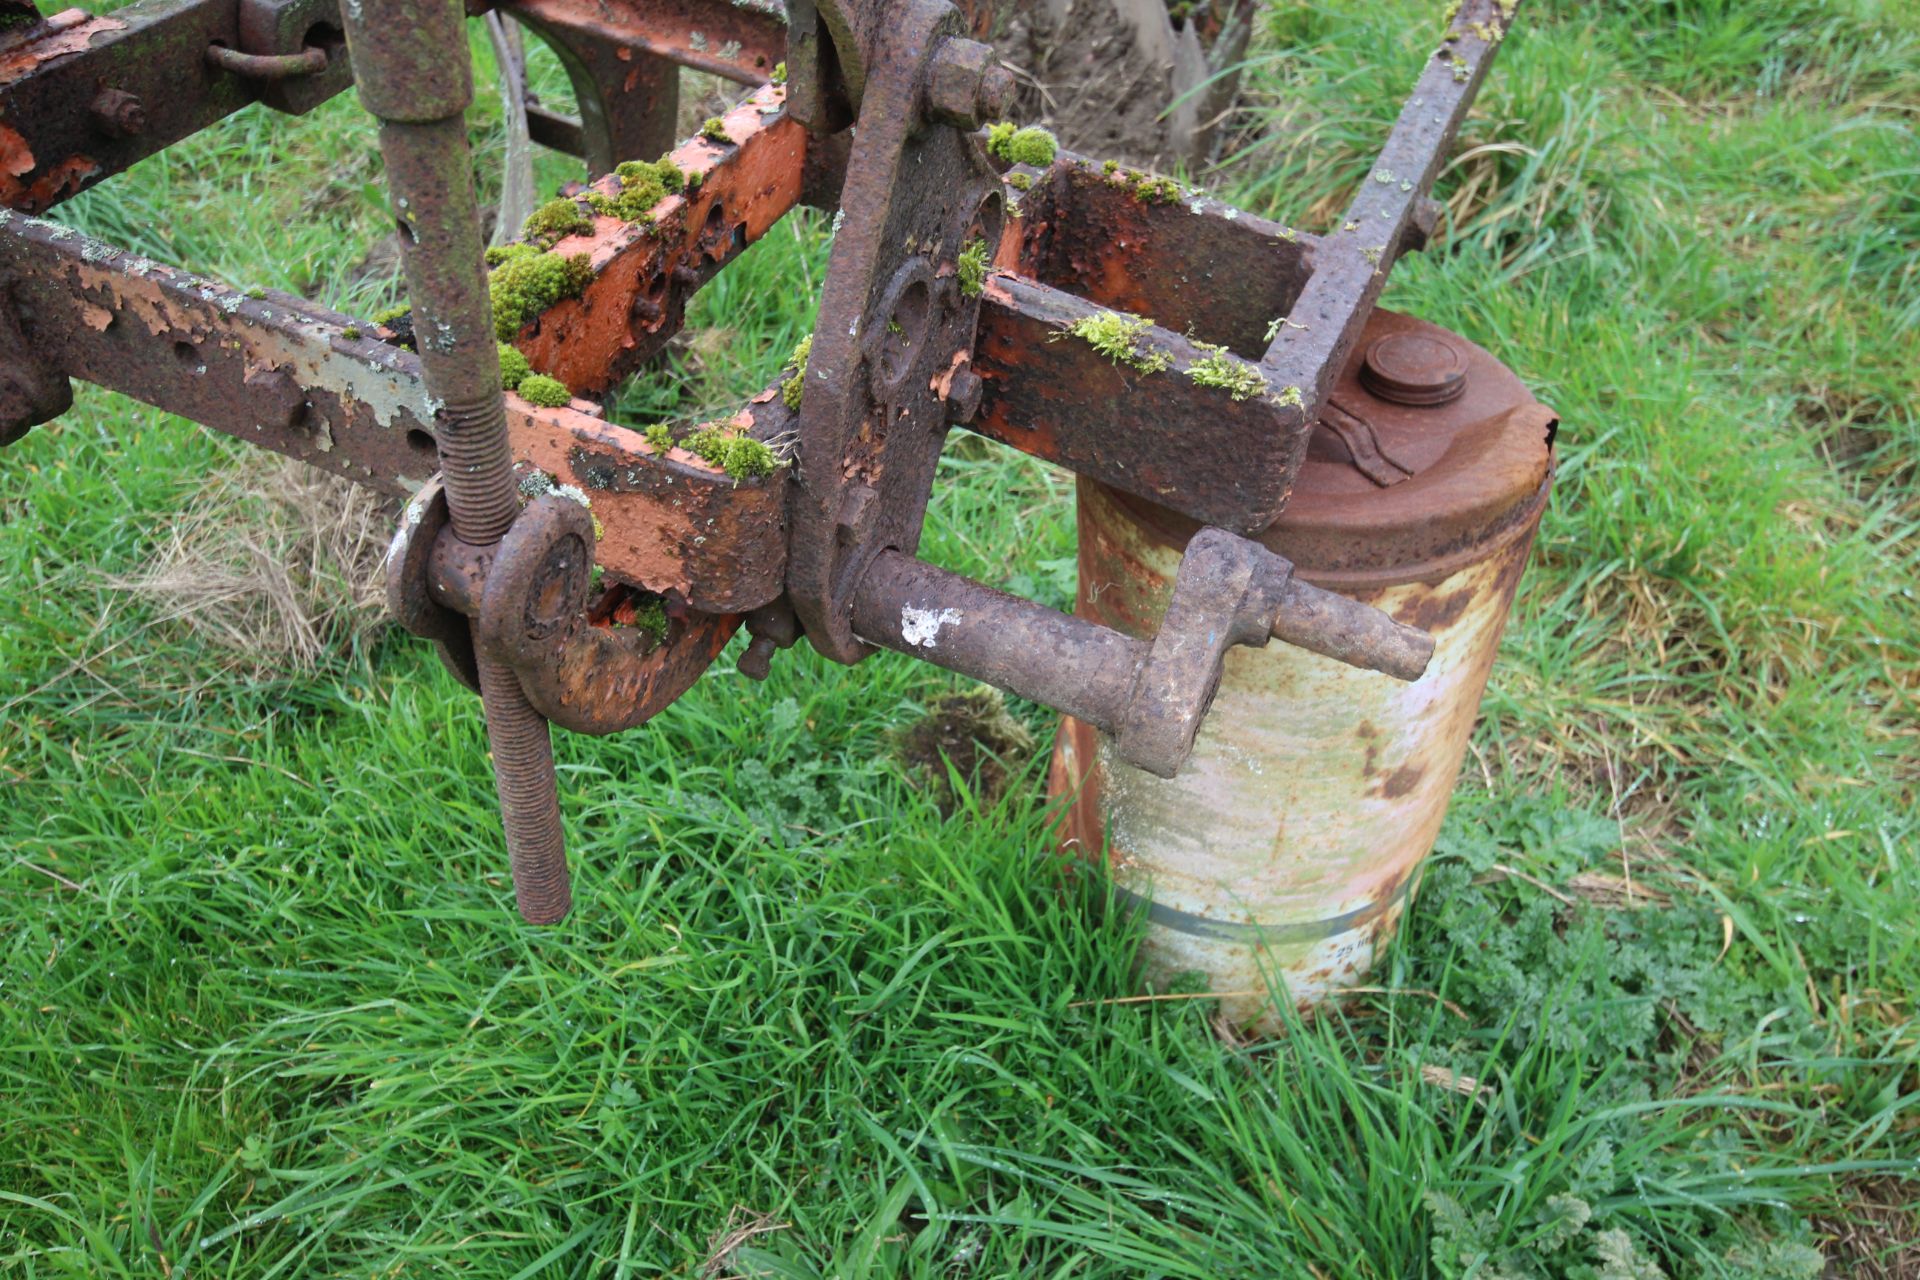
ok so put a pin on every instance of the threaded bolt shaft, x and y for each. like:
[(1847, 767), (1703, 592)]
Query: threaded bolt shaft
[(400, 51), (529, 800)]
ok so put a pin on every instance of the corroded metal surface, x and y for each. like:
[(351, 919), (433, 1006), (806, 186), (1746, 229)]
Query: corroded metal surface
[(1050, 394), (1232, 462), (82, 98), (187, 344), (420, 94), (1150, 694), (531, 612), (645, 272), (893, 318), (740, 42), (1291, 842)]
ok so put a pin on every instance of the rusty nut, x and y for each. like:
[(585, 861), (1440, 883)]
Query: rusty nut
[(964, 393), (278, 400), (118, 114), (965, 86)]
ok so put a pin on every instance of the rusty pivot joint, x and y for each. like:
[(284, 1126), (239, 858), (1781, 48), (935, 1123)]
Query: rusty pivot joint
[(1151, 696)]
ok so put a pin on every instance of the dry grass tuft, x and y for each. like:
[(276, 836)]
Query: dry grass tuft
[(1876, 1235), (743, 1224), (273, 562)]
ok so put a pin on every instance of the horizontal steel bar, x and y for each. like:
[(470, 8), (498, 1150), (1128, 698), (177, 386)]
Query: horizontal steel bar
[(1064, 662), (1142, 424), (54, 143), (740, 42), (281, 373)]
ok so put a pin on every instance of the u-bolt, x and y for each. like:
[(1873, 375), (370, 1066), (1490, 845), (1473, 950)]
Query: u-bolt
[(410, 63)]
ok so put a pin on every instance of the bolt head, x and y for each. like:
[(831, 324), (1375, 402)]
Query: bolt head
[(757, 662), (964, 392), (954, 82), (277, 398), (118, 114), (996, 92)]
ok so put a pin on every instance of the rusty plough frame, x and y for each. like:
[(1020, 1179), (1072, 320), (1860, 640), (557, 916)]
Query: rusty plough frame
[(963, 289)]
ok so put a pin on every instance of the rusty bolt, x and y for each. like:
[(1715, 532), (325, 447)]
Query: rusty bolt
[(996, 92), (773, 628), (757, 662), (118, 114), (277, 398), (965, 86), (963, 396)]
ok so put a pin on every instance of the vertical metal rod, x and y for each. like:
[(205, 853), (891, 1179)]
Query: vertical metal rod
[(411, 64)]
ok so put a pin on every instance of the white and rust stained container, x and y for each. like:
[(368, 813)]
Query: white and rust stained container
[(1290, 844)]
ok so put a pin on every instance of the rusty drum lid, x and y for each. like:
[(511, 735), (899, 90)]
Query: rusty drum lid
[(1429, 455)]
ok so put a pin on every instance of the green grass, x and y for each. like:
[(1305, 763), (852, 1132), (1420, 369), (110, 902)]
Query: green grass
[(265, 1009)]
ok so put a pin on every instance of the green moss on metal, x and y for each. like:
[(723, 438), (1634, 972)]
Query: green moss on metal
[(1032, 145), (741, 457), (548, 393), (554, 221), (513, 367), (715, 130), (1152, 190), (1116, 335), (642, 186), (524, 286), (671, 179), (1220, 370), (795, 385), (659, 437), (650, 616), (972, 268), (499, 253)]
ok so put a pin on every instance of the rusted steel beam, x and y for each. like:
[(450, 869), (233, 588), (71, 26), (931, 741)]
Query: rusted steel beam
[(1188, 262), (741, 42), (897, 315), (644, 272), (1286, 306), (1386, 215), (82, 98), (1054, 395), (284, 374)]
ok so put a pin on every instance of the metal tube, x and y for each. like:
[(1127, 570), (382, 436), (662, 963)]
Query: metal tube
[(267, 66), (1345, 630), (915, 608), (410, 63)]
